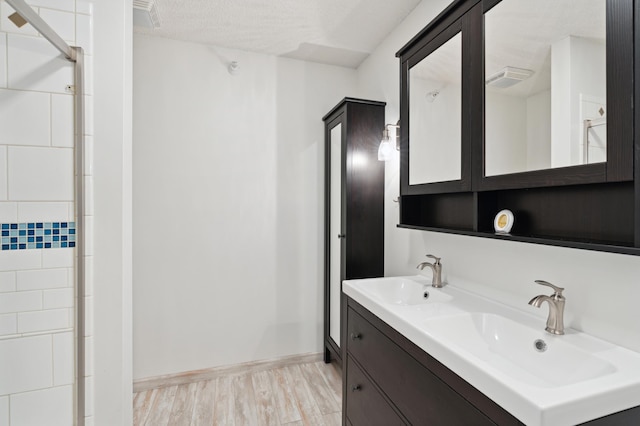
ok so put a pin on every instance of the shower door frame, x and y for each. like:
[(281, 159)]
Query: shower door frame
[(75, 55)]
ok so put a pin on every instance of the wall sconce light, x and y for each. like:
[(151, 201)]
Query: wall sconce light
[(385, 150)]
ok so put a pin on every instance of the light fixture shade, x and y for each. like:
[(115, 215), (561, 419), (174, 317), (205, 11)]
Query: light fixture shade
[(385, 150)]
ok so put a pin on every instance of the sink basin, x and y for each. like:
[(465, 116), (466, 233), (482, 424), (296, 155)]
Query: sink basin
[(524, 353), (492, 346), (406, 291)]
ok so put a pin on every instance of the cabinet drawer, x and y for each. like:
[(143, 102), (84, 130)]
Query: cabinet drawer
[(419, 395), (365, 405)]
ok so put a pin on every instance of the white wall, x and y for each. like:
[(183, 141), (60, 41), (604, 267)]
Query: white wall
[(228, 205), (601, 288)]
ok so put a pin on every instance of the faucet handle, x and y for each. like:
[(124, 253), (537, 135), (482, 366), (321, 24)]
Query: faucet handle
[(557, 290), (437, 259)]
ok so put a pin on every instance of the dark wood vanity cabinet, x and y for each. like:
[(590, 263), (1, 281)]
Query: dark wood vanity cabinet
[(388, 380), (354, 206)]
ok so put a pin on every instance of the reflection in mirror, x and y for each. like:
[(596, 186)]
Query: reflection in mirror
[(435, 115), (545, 85)]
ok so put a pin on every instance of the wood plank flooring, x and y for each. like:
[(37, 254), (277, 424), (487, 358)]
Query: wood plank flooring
[(295, 395)]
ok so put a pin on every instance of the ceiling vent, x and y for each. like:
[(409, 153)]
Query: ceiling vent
[(508, 76), (145, 14)]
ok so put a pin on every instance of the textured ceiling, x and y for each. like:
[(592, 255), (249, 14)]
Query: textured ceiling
[(337, 32)]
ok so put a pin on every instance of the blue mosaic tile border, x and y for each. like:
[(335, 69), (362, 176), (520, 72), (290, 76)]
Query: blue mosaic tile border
[(38, 235)]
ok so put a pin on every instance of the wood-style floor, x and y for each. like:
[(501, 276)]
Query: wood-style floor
[(300, 394)]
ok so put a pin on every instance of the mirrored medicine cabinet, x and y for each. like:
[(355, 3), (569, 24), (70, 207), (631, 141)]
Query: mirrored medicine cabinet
[(526, 106)]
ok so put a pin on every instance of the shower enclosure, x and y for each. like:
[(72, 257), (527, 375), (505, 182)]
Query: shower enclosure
[(42, 214)]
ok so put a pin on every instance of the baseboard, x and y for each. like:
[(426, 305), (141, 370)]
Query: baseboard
[(225, 370)]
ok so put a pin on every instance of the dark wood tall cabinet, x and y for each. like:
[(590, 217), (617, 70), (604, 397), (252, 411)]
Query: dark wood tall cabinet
[(354, 208)]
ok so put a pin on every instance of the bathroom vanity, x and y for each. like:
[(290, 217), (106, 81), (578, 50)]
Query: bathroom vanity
[(456, 358)]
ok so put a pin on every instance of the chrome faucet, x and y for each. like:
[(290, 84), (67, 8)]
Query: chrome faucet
[(555, 322), (436, 267)]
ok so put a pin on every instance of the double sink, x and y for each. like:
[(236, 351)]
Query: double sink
[(540, 378)]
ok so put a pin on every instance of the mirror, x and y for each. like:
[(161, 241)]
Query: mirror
[(435, 111), (335, 229), (545, 85)]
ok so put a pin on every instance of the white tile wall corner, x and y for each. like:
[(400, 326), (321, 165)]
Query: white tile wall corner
[(25, 118), (89, 392), (53, 319), (84, 33), (42, 279), (20, 301), (88, 80), (51, 211), (3, 60), (62, 121), (3, 172), (88, 313), (34, 64), (88, 238), (88, 155), (20, 260), (40, 173), (54, 407), (57, 258), (8, 210), (88, 275), (88, 359), (7, 281), (8, 26), (8, 324), (63, 356), (88, 122), (66, 5), (63, 23), (27, 364), (84, 6)]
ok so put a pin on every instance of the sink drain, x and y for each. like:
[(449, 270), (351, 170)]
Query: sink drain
[(540, 345), (426, 295)]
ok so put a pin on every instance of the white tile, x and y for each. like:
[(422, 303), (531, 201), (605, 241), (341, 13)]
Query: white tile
[(88, 195), (4, 173), (25, 118), (54, 319), (20, 260), (7, 281), (42, 279), (20, 301), (88, 155), (4, 190), (84, 6), (63, 356), (88, 115), (40, 174), (34, 64), (88, 356), (88, 75), (88, 316), (88, 236), (89, 421), (84, 33), (58, 298), (43, 212), (58, 258), (63, 23), (4, 411), (62, 120), (71, 209), (3, 60), (54, 407), (8, 211), (88, 275), (8, 324), (67, 5), (88, 395), (10, 27), (26, 365)]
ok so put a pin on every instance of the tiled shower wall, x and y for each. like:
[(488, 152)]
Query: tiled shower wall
[(37, 297)]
